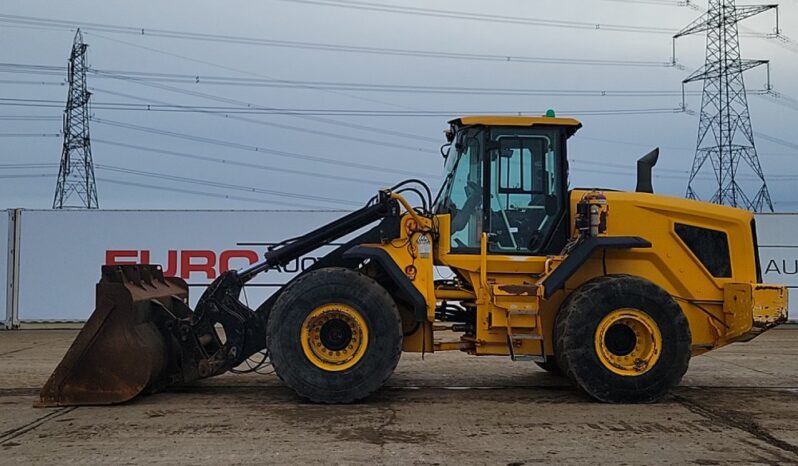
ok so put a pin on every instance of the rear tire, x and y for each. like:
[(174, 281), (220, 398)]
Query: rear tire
[(334, 336), (622, 339)]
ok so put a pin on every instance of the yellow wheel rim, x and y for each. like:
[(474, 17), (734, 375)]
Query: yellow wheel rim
[(334, 337), (628, 342)]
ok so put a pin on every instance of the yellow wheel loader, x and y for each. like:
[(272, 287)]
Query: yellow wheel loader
[(614, 290)]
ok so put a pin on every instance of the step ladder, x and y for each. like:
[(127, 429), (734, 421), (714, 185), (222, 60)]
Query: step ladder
[(518, 335)]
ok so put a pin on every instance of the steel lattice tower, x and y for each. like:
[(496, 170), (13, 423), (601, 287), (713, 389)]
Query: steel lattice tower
[(725, 137), (76, 187)]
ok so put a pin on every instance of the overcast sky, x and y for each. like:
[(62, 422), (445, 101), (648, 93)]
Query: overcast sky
[(602, 153)]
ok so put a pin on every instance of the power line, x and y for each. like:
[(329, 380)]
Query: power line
[(483, 17), (628, 143), (30, 135), (629, 167), (670, 148), (224, 112), (216, 64), (228, 111), (342, 112), (418, 53), (226, 38), (681, 3), (624, 174), (265, 109), (38, 22), (8, 101), (29, 118), (215, 184), (781, 99), (25, 68), (152, 77), (27, 176), (45, 69), (247, 165), (362, 127), (195, 180), (670, 173), (16, 166), (251, 148), (317, 118), (389, 88), (32, 83), (237, 70), (203, 193), (776, 140), (253, 108)]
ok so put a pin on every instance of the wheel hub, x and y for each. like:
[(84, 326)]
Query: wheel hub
[(334, 337), (335, 334), (628, 342), (620, 339)]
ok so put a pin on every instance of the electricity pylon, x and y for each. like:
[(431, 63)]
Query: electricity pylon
[(725, 136), (76, 188)]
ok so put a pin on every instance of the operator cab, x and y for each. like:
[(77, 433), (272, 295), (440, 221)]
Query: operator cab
[(507, 176)]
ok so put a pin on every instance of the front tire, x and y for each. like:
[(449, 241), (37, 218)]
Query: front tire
[(622, 339), (334, 336)]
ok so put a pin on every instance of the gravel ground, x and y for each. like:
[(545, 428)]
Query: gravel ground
[(735, 405)]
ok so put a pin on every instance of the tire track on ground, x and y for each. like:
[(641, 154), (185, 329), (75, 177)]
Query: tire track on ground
[(737, 421), (16, 351), (25, 428), (18, 391)]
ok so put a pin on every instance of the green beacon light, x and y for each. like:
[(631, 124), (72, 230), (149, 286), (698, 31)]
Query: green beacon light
[(550, 113)]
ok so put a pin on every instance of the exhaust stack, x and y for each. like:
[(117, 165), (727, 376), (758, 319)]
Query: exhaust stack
[(644, 169)]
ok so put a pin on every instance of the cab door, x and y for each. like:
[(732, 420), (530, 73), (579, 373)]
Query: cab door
[(526, 190)]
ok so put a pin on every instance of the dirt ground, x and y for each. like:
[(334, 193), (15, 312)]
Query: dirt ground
[(735, 405)]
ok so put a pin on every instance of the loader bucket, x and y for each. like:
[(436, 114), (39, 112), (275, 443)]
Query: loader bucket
[(126, 347)]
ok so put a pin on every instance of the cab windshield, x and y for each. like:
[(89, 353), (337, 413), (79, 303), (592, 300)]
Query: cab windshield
[(461, 195)]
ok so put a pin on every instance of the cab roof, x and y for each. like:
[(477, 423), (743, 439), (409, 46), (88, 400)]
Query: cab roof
[(504, 120)]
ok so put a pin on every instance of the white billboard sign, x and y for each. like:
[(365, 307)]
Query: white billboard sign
[(778, 252), (61, 251)]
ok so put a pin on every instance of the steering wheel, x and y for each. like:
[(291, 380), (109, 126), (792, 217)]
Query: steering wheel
[(471, 187), (473, 196), (473, 193)]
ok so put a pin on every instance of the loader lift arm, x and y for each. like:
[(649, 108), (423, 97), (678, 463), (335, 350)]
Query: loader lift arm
[(289, 250), (244, 328)]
